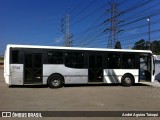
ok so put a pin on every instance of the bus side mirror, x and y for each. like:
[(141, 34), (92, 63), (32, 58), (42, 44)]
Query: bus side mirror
[(153, 72)]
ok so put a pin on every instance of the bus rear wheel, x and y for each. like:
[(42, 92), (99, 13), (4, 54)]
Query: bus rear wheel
[(127, 80), (55, 81)]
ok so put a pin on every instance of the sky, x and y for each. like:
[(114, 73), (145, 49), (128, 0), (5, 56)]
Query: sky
[(40, 22)]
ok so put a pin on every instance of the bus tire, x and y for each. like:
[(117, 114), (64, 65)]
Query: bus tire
[(127, 80), (55, 81)]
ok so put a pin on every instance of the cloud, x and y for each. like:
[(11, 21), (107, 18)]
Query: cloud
[(134, 31), (58, 39)]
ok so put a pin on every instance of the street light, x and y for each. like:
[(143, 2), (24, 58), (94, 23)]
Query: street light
[(148, 19)]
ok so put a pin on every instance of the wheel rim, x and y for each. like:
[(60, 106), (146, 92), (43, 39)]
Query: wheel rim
[(127, 80), (55, 82)]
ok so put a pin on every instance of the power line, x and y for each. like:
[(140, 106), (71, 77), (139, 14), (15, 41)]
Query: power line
[(139, 19), (137, 35), (94, 31), (92, 27), (132, 36), (138, 5), (84, 9), (144, 25), (89, 14), (91, 40), (76, 7), (140, 13)]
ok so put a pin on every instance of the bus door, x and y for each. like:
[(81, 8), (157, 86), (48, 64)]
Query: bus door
[(145, 67), (95, 70), (33, 68)]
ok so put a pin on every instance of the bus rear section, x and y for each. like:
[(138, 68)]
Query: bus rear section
[(22, 66)]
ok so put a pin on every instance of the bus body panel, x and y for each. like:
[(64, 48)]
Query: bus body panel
[(16, 74), (153, 78), (76, 79), (71, 75), (45, 78), (115, 75), (153, 70), (7, 66)]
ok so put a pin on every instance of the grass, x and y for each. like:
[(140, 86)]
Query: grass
[(1, 58)]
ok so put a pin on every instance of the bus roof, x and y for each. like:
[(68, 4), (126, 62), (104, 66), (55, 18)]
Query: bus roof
[(75, 48)]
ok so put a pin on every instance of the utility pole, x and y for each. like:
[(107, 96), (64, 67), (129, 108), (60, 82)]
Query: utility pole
[(66, 31), (114, 30), (149, 44)]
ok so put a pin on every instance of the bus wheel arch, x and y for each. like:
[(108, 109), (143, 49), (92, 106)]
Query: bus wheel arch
[(127, 80), (55, 80)]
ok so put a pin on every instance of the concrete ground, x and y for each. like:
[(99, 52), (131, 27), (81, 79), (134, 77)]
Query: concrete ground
[(1, 66), (140, 97)]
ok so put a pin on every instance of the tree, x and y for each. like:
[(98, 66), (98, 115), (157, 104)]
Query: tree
[(141, 45), (118, 45), (155, 46)]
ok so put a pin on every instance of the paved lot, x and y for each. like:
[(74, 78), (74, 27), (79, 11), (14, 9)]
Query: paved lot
[(79, 98), (1, 66)]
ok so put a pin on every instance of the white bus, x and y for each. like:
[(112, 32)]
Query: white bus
[(56, 66)]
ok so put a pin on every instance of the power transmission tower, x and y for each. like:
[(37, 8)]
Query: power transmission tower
[(66, 30), (113, 29)]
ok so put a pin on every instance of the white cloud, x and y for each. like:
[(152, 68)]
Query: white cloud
[(134, 31), (59, 39)]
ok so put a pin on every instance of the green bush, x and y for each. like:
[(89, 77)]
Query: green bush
[(1, 58)]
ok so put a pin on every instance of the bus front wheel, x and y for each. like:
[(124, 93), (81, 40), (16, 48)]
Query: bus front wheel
[(55, 81), (127, 80)]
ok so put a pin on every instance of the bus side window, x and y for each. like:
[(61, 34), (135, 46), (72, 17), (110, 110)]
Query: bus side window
[(114, 60), (15, 57), (74, 59), (55, 57), (128, 61)]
